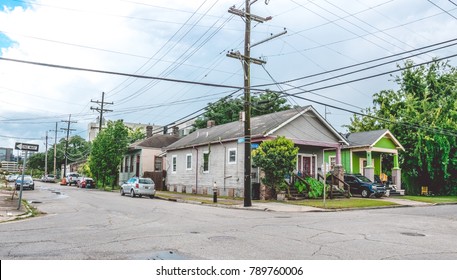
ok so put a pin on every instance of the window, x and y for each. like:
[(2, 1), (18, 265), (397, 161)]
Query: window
[(173, 163), (206, 162), (126, 164), (189, 162), (232, 156), (332, 160), (157, 164)]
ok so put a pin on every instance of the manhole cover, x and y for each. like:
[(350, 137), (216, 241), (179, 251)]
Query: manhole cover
[(412, 234), (35, 201), (283, 217)]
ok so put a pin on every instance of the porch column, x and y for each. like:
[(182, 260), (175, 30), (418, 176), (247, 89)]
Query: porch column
[(369, 169), (338, 156), (396, 173)]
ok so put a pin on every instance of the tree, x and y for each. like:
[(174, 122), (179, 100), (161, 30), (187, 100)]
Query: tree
[(227, 109), (107, 152), (135, 134), (277, 158), (422, 114), (78, 149)]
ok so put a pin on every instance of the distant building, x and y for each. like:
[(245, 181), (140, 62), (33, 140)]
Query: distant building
[(93, 128), (6, 154), (9, 166)]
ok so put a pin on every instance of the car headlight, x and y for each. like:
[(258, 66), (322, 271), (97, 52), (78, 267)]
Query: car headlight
[(374, 187)]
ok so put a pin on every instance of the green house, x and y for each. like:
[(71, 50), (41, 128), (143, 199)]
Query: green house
[(364, 155)]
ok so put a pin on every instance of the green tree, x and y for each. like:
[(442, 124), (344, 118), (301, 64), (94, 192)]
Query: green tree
[(135, 134), (227, 109), (277, 158), (107, 152), (78, 149), (422, 114)]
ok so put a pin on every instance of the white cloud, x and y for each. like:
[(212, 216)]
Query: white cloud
[(121, 36)]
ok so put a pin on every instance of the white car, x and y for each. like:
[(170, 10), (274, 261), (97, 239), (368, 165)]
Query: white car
[(139, 186)]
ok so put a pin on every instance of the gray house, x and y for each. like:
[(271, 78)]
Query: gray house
[(144, 156), (213, 157)]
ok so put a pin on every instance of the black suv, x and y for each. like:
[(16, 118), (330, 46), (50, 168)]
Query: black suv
[(362, 185)]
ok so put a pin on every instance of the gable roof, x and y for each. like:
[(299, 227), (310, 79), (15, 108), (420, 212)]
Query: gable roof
[(370, 138), (158, 141), (260, 126)]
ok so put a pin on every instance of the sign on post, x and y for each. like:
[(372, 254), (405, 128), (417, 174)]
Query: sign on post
[(26, 147)]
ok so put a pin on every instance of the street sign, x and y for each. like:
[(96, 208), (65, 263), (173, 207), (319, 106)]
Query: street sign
[(26, 147)]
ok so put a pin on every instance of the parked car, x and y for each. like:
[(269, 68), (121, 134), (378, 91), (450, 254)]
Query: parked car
[(27, 184), (365, 187), (48, 178), (139, 186), (12, 177), (73, 178), (86, 182)]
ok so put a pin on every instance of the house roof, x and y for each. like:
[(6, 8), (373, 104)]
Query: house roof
[(260, 126), (370, 138), (158, 141)]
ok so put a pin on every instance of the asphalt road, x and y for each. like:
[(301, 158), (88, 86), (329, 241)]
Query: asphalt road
[(89, 224)]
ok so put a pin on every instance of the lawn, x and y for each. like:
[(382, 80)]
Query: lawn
[(344, 203), (432, 199)]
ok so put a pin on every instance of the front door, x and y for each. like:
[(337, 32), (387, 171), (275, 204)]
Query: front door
[(306, 165), (363, 164)]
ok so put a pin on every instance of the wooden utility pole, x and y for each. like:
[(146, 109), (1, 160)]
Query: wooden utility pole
[(101, 110), (66, 143), (247, 60)]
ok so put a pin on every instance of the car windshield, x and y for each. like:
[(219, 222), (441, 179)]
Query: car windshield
[(26, 178), (363, 178), (146, 181)]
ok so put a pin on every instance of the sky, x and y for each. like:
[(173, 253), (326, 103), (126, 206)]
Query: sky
[(188, 41)]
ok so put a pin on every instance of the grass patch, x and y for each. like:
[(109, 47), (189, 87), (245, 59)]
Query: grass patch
[(344, 203), (204, 199), (432, 199)]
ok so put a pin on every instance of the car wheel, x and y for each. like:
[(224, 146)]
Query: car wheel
[(132, 193), (33, 188), (122, 192), (151, 196), (140, 195), (365, 193)]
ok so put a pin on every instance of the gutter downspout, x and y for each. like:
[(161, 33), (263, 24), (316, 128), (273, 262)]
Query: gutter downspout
[(225, 161), (196, 172)]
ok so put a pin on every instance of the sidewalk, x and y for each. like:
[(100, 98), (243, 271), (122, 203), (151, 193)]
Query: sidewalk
[(8, 207)]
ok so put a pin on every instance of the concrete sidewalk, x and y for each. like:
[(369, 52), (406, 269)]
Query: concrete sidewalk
[(8, 207)]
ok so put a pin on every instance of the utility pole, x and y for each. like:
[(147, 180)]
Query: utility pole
[(46, 156), (66, 143), (101, 110), (247, 60), (55, 150)]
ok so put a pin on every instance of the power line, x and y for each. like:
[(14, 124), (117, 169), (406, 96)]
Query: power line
[(118, 73), (371, 61)]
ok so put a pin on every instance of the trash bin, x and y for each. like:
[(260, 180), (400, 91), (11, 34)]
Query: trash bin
[(256, 191)]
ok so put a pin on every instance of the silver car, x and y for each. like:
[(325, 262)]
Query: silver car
[(139, 186)]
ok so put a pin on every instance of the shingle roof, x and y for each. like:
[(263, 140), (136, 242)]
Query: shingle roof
[(156, 141), (366, 138), (259, 127)]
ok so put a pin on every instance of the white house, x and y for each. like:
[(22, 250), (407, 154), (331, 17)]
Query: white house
[(214, 156)]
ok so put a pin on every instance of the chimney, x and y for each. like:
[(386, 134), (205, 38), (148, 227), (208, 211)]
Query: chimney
[(210, 123), (175, 131), (148, 131)]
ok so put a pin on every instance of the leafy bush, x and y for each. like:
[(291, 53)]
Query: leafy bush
[(316, 189)]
